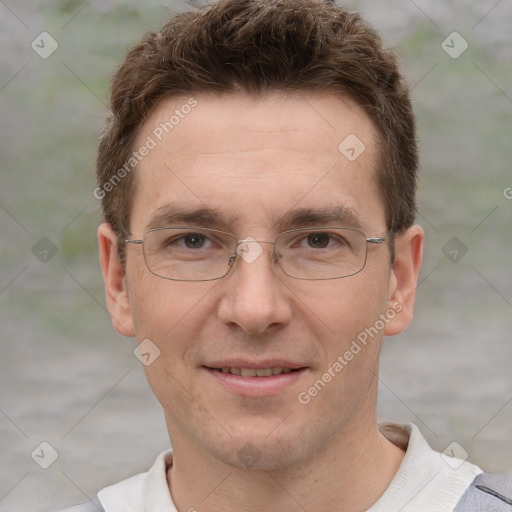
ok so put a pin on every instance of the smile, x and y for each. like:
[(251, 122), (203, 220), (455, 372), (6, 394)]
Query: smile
[(255, 372), (255, 382)]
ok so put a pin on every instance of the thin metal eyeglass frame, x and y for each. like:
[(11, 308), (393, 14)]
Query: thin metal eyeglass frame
[(275, 258)]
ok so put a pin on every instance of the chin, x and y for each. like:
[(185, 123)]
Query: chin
[(260, 450), (258, 458)]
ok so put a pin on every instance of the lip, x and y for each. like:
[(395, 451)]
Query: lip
[(245, 363), (256, 386)]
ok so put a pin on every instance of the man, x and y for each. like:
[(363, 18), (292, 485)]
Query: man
[(258, 177)]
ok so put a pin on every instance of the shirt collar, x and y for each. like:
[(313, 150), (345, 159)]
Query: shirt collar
[(426, 480)]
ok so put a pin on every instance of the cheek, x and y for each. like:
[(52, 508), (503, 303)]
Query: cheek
[(156, 303), (350, 331), (343, 307), (348, 325), (172, 314), (169, 315)]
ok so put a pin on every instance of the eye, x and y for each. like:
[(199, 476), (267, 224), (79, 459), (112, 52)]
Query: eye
[(323, 240), (194, 240), (318, 240), (186, 241)]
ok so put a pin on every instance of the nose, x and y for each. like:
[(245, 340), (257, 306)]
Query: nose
[(254, 297)]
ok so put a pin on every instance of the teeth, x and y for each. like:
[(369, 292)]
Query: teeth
[(267, 372), (253, 372)]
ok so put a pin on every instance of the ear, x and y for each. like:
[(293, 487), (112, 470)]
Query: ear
[(404, 278), (116, 292)]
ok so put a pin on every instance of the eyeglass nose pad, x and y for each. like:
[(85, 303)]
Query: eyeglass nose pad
[(276, 256)]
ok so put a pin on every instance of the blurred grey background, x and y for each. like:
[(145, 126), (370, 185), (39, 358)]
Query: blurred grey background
[(67, 378)]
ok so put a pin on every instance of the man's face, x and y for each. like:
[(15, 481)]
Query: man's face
[(255, 160)]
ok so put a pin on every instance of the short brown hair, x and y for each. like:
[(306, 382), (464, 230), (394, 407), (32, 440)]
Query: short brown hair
[(258, 46)]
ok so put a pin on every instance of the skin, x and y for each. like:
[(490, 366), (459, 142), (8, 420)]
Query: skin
[(255, 159)]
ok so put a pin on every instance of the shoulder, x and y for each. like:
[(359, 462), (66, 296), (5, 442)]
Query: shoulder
[(90, 506), (488, 492), (130, 495), (126, 495)]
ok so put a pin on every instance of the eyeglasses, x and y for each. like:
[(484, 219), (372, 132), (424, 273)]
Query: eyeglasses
[(201, 254)]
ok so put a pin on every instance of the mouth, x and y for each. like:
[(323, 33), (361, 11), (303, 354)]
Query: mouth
[(256, 381), (255, 372)]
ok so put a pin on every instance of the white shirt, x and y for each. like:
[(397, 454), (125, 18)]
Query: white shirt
[(425, 481)]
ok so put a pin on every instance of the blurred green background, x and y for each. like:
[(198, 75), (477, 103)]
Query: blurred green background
[(67, 378)]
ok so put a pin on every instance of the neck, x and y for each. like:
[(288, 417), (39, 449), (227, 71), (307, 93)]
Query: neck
[(350, 473)]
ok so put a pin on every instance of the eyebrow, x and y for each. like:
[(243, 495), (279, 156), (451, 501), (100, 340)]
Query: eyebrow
[(172, 215), (343, 216)]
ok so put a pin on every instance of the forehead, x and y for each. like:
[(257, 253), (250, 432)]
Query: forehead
[(257, 156)]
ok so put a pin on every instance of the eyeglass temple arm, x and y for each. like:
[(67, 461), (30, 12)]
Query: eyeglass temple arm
[(379, 240), (128, 241)]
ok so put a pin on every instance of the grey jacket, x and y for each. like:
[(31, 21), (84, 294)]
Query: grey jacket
[(487, 493)]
